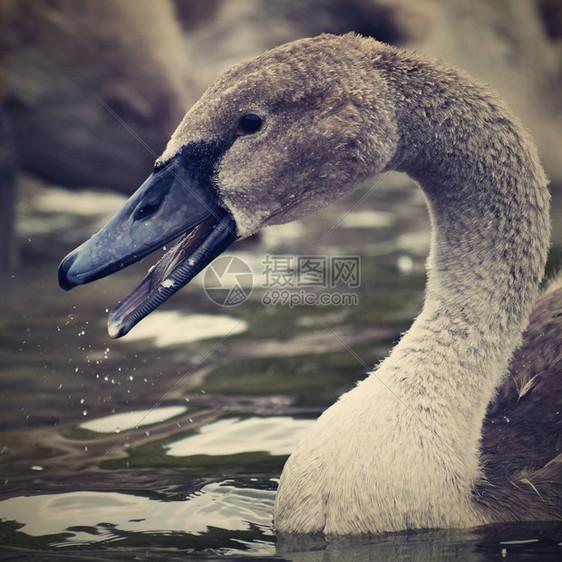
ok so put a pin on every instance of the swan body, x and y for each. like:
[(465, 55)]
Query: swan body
[(286, 134)]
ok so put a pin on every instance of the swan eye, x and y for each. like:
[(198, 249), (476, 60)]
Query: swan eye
[(248, 125)]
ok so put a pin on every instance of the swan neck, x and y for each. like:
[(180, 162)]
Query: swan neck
[(488, 203), (486, 192)]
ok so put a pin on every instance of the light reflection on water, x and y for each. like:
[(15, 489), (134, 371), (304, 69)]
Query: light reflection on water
[(96, 517), (172, 327), (130, 420), (276, 435)]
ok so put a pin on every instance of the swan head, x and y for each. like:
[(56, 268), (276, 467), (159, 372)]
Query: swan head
[(273, 140), (295, 128)]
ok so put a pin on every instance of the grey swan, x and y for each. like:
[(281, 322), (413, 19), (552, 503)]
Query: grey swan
[(447, 431)]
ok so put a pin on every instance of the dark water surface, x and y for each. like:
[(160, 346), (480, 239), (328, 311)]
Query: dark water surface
[(168, 443)]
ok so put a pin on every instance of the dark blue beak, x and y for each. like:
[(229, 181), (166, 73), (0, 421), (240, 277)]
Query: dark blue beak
[(170, 203)]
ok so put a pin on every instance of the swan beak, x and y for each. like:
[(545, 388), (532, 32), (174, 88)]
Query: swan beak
[(171, 203)]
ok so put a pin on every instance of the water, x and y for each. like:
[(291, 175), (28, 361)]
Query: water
[(168, 444)]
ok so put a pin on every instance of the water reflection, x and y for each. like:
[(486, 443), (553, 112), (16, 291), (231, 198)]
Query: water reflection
[(132, 420), (173, 327), (89, 518), (276, 435)]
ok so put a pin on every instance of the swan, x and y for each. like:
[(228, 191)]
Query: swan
[(286, 134)]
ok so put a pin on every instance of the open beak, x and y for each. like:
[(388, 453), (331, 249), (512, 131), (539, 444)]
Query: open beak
[(172, 202)]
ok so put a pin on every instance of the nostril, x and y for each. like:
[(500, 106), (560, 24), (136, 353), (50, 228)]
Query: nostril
[(146, 211), (65, 265)]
